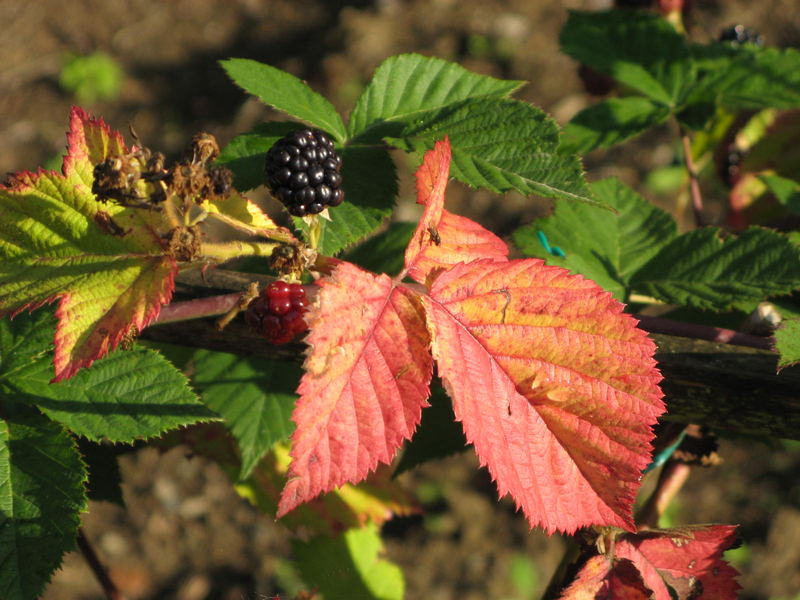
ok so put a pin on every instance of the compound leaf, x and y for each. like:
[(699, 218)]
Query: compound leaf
[(53, 247), (42, 494), (610, 122), (286, 93), (125, 396), (555, 386), (255, 397), (405, 87), (683, 563), (608, 248), (502, 145), (636, 48), (756, 79), (443, 239), (703, 270), (365, 383)]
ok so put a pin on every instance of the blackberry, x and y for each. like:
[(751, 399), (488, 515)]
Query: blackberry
[(633, 3), (277, 313), (303, 171), (739, 35)]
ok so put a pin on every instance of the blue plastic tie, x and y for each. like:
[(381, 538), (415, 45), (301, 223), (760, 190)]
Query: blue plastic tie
[(660, 458), (553, 250)]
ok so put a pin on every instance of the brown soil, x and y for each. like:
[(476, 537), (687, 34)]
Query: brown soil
[(185, 533)]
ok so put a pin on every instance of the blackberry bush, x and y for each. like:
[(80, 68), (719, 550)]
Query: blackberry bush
[(303, 171), (277, 313)]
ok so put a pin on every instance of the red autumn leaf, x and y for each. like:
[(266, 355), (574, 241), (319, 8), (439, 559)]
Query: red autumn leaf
[(554, 385), (367, 378), (601, 578), (443, 239), (686, 560)]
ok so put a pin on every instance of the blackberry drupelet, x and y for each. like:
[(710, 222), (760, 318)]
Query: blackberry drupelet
[(303, 171), (277, 313), (739, 35)]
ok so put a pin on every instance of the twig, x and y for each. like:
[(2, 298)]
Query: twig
[(670, 481), (99, 571), (197, 309), (703, 332), (694, 183)]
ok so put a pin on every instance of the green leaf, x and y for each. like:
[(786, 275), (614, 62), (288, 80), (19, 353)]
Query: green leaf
[(503, 145), (759, 78), (384, 252), (611, 122), (406, 86), (348, 566), (636, 48), (52, 247), (369, 180), (255, 397), (285, 92), (787, 342), (607, 247), (703, 270), (438, 435), (41, 497), (128, 395), (245, 154), (787, 191)]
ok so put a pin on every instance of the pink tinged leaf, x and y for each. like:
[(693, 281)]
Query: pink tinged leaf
[(603, 579), (686, 560), (443, 239), (93, 322), (53, 249), (89, 142), (367, 379), (554, 385)]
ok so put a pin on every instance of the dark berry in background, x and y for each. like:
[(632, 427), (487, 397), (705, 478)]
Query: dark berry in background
[(303, 172), (277, 313), (738, 35)]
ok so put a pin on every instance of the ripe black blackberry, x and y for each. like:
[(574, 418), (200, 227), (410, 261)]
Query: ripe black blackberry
[(303, 171), (277, 313), (633, 3), (739, 35)]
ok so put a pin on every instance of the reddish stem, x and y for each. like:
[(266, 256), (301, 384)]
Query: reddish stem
[(197, 309), (694, 183), (670, 481), (703, 332), (99, 571)]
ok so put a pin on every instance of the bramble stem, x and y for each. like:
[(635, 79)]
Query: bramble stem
[(99, 571), (703, 332), (228, 250), (197, 309), (694, 183), (670, 481), (279, 234)]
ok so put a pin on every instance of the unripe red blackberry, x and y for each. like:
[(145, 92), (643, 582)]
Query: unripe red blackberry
[(277, 313), (303, 171)]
